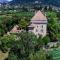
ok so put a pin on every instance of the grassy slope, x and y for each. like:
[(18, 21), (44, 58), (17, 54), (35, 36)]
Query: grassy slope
[(3, 55)]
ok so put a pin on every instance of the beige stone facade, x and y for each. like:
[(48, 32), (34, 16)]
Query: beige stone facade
[(38, 24)]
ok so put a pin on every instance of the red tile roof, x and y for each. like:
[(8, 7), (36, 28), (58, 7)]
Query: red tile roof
[(15, 30), (39, 16)]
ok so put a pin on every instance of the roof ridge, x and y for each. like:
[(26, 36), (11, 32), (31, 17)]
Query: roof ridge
[(39, 16)]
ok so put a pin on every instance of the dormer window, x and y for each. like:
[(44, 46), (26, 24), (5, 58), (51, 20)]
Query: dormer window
[(18, 28)]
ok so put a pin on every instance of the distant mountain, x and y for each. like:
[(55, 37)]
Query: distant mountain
[(46, 2)]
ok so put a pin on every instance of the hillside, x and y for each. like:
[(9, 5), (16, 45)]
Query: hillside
[(48, 2)]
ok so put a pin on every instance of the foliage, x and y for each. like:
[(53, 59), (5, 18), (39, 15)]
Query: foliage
[(24, 48), (12, 56), (46, 40), (23, 23), (28, 47), (40, 55), (52, 25), (7, 41), (7, 21)]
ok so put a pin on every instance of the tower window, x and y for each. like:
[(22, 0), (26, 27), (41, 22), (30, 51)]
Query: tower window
[(37, 26), (42, 26), (36, 30), (41, 30)]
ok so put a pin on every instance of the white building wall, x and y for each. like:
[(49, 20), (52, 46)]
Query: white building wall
[(40, 29)]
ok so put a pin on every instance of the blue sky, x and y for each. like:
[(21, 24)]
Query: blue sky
[(9, 0), (4, 0)]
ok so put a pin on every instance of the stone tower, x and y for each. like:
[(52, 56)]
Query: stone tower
[(38, 24)]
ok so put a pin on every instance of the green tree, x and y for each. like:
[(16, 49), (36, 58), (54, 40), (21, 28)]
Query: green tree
[(7, 42), (46, 40), (52, 25), (23, 23), (24, 9), (40, 44), (40, 55), (50, 8), (24, 46), (12, 56)]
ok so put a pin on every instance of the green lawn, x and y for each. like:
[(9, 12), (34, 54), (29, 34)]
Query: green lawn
[(56, 54)]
